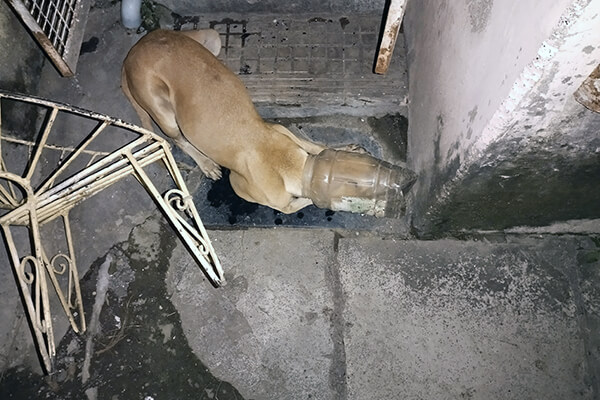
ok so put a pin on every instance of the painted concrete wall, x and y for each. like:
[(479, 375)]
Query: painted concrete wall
[(477, 68)]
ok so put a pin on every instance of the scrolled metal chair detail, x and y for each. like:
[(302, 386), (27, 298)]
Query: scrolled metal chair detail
[(80, 173)]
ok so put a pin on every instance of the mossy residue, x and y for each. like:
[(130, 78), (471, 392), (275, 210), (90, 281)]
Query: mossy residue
[(391, 131), (533, 188)]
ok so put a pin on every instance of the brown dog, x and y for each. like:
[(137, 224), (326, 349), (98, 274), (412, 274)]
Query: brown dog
[(171, 78)]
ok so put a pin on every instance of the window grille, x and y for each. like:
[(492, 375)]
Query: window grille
[(58, 26)]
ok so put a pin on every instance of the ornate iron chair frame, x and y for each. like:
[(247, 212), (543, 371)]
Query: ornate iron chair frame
[(25, 206)]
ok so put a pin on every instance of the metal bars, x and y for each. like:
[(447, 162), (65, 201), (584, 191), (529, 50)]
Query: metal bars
[(58, 26), (54, 17), (31, 207)]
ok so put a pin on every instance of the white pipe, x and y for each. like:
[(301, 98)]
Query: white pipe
[(131, 13)]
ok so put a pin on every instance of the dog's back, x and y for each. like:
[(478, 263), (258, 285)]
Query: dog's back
[(185, 87)]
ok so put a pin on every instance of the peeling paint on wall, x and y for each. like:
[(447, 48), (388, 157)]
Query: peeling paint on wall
[(479, 14), (588, 93)]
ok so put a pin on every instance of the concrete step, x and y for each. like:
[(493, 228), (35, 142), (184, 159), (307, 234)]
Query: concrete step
[(307, 313), (452, 320)]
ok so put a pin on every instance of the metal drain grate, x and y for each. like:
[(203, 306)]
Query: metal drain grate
[(54, 17), (58, 27), (309, 64)]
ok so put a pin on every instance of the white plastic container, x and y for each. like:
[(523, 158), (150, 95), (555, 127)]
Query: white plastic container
[(131, 13), (359, 183)]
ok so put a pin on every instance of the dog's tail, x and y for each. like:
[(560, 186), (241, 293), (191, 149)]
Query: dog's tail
[(209, 38)]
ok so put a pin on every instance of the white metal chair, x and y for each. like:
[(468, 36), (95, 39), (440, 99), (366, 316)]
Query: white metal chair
[(30, 204)]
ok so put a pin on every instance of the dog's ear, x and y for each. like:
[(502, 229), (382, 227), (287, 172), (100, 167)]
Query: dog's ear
[(298, 137)]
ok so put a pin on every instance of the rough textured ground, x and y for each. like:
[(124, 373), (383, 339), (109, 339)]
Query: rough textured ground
[(313, 314)]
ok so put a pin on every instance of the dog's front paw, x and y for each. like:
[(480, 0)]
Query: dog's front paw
[(212, 170), (354, 148)]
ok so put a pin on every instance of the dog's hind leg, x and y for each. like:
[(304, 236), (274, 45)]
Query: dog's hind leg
[(168, 123), (145, 118), (161, 110), (210, 168)]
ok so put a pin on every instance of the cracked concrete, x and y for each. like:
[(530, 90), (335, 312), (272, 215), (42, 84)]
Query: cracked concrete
[(314, 314)]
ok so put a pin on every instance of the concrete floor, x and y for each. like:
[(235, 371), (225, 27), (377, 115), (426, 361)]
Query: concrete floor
[(314, 314), (357, 309)]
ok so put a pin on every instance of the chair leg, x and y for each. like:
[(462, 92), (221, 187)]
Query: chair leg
[(31, 278), (172, 204)]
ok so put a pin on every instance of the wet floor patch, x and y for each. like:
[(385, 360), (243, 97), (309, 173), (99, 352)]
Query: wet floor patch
[(89, 46), (134, 347)]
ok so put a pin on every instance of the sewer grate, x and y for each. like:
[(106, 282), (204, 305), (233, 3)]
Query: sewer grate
[(309, 64), (58, 27)]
